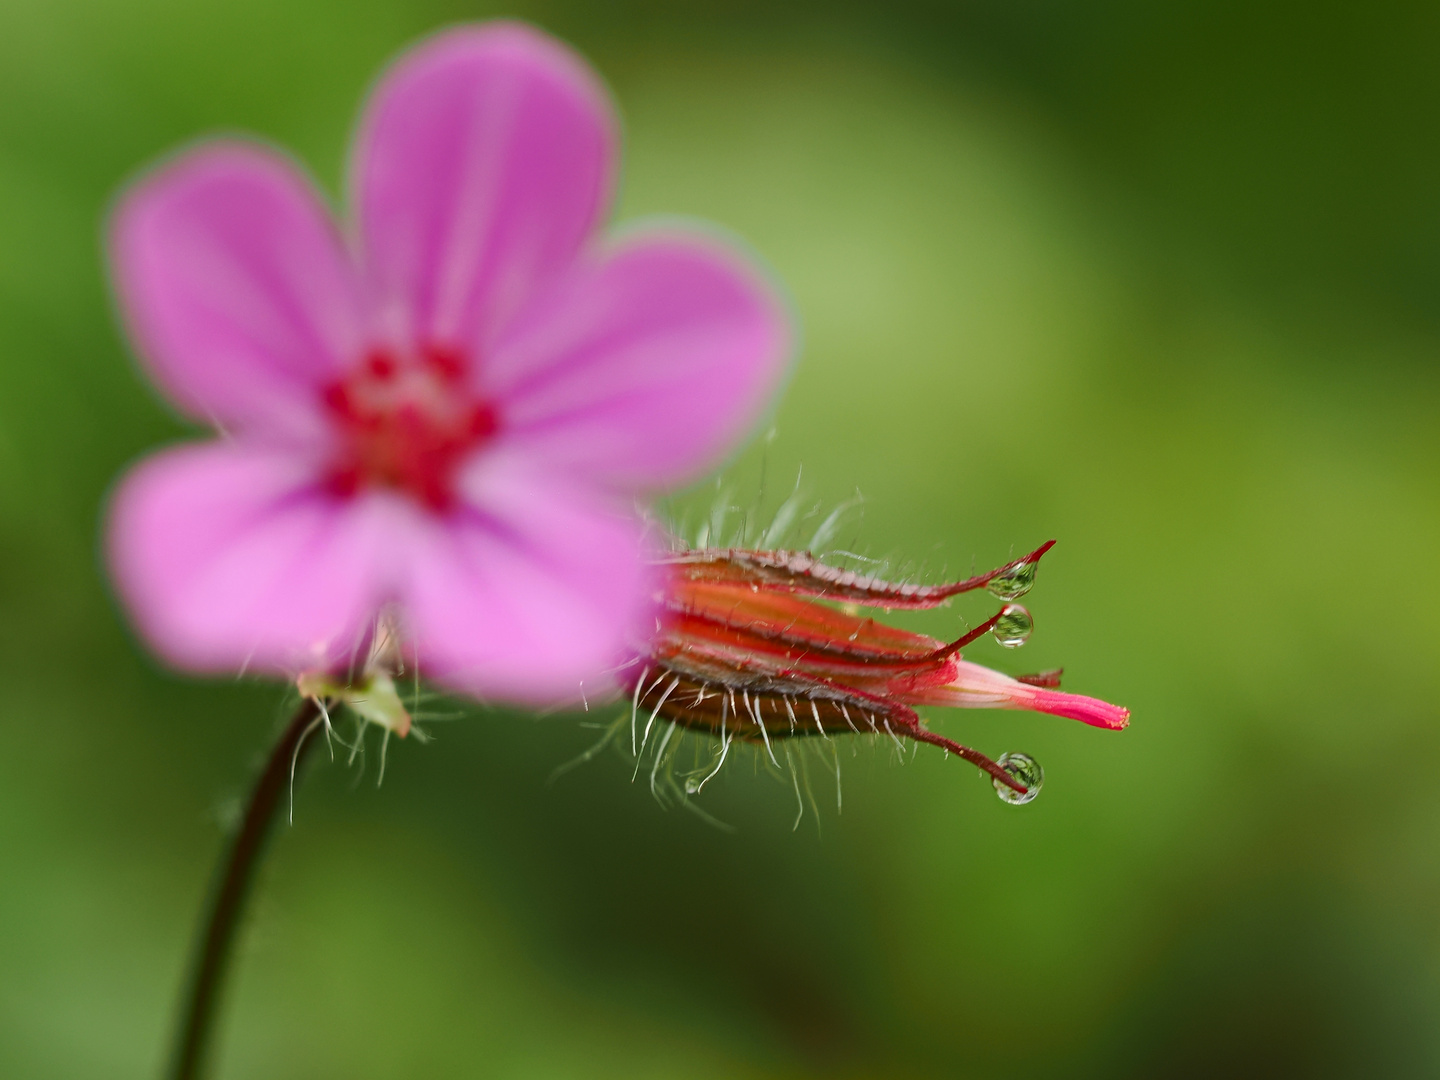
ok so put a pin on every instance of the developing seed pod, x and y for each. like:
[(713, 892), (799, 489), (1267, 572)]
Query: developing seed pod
[(750, 648)]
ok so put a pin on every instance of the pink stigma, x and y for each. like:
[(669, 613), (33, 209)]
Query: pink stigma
[(407, 424)]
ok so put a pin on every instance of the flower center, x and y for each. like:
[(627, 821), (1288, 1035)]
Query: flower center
[(406, 424)]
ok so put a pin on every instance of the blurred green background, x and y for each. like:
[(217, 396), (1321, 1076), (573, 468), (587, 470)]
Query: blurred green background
[(1160, 281)]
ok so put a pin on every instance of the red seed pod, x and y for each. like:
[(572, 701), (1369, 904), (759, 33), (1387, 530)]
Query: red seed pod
[(750, 647)]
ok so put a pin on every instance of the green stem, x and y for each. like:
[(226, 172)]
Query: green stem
[(229, 893)]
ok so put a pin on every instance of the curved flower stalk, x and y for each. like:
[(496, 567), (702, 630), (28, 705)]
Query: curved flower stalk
[(442, 409), (747, 649)]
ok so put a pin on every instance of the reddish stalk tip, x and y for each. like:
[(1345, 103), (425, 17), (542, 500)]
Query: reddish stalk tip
[(971, 635), (975, 757)]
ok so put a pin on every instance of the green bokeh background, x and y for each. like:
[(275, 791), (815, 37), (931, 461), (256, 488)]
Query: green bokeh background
[(1162, 284)]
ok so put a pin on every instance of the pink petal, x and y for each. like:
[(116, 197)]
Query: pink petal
[(238, 293), (975, 687), (484, 162), (646, 365), (533, 592), (228, 557), (1087, 710)]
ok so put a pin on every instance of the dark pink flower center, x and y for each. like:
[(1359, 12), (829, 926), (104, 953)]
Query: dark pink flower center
[(407, 424)]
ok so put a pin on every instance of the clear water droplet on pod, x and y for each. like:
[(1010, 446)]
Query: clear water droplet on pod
[(1015, 582), (1023, 768), (1013, 627)]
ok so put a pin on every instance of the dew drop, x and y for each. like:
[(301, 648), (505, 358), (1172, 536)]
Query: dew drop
[(1025, 769), (1012, 629), (691, 785), (1015, 582)]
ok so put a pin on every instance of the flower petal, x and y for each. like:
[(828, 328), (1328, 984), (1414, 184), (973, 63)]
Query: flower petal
[(1087, 710), (646, 365), (237, 290), (973, 686), (229, 557), (529, 591), (484, 162)]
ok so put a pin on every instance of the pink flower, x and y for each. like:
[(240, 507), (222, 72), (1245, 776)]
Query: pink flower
[(446, 410)]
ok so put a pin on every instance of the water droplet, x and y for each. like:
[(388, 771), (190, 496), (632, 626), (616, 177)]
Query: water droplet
[(1015, 582), (1012, 628), (691, 785), (1025, 769)]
